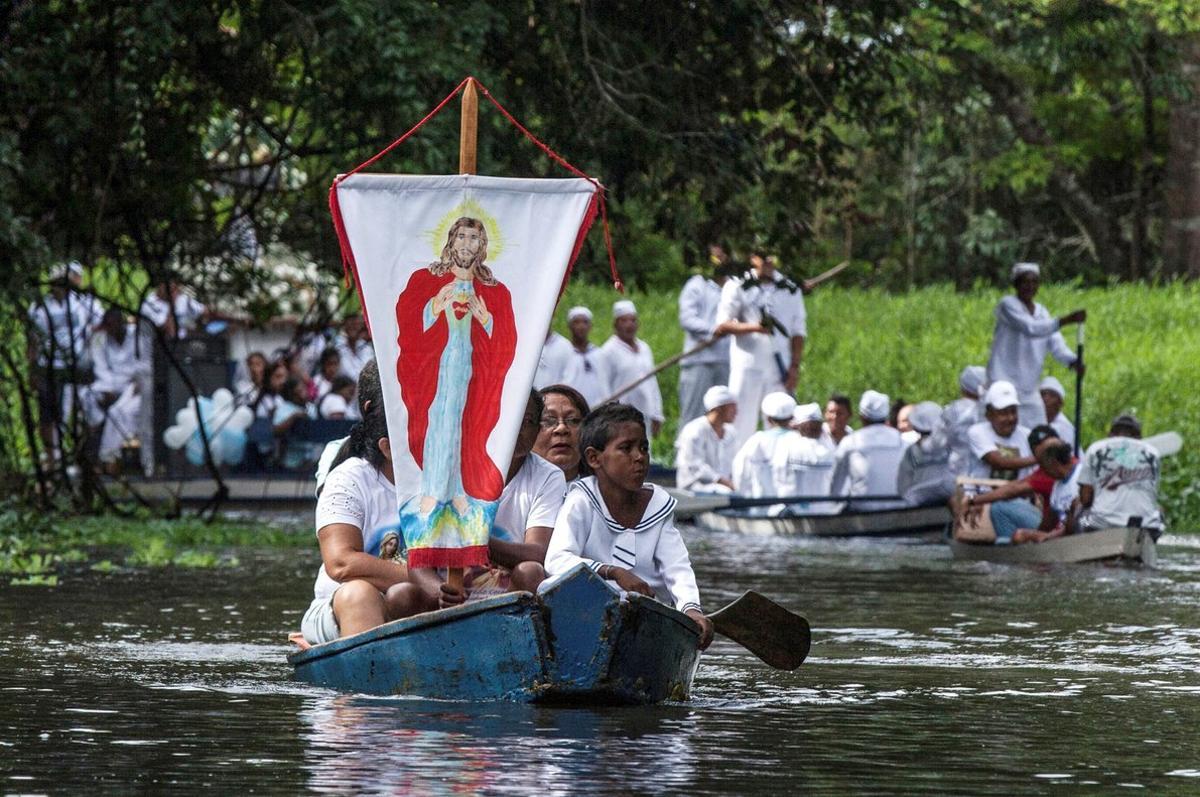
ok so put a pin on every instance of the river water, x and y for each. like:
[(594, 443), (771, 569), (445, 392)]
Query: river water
[(926, 676)]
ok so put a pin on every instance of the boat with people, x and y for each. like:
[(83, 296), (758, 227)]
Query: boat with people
[(580, 640), (1135, 546), (925, 521)]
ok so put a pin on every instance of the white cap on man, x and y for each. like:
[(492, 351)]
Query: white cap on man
[(925, 417), (578, 312), (972, 378), (778, 406), (718, 396), (806, 413), (1021, 269), (874, 406), (1002, 395), (622, 308), (1054, 386)]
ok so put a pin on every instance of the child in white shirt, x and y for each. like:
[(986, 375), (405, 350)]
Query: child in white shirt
[(620, 527)]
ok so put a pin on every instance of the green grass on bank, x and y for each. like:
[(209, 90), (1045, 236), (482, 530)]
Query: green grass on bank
[(1142, 351), (35, 549)]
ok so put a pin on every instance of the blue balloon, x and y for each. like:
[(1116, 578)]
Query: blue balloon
[(228, 445)]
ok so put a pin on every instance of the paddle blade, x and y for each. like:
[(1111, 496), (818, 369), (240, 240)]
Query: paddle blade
[(766, 629), (1167, 444)]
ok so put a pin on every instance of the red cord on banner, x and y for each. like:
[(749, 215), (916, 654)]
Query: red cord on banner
[(350, 267)]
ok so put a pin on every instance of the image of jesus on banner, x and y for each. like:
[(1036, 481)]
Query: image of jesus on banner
[(457, 339)]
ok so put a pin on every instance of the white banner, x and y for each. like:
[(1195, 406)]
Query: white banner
[(459, 275)]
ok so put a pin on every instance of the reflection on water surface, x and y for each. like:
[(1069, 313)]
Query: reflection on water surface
[(926, 676)]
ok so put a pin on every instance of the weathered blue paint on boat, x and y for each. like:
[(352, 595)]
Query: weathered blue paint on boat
[(611, 648), (494, 649), (582, 641)]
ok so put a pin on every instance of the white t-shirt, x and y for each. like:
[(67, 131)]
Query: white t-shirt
[(1020, 342), (187, 311), (701, 458), (356, 493), (803, 466), (625, 365), (746, 298), (983, 440), (587, 372), (553, 361), (957, 419), (698, 316), (867, 463), (530, 500), (1065, 429), (754, 464), (1064, 494), (68, 324), (331, 404), (1123, 474), (827, 437)]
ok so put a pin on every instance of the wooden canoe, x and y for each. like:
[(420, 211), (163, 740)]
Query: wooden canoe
[(579, 642), (928, 521), (1133, 546)]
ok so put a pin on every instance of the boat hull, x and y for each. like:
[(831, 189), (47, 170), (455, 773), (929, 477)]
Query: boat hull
[(930, 521), (1134, 546), (581, 642)]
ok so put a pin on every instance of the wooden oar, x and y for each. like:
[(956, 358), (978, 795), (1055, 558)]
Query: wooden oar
[(825, 275), (1165, 443), (766, 629), (1078, 387)]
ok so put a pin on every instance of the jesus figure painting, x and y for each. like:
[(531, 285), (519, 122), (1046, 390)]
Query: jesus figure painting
[(457, 338)]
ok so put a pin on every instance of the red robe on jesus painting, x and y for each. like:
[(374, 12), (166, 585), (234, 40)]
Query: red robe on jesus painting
[(455, 351)]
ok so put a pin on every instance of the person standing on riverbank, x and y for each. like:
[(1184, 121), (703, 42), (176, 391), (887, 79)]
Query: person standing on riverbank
[(1025, 331), (698, 316), (764, 311)]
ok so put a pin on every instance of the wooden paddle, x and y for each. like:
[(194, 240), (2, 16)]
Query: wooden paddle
[(760, 625), (745, 503), (1078, 387)]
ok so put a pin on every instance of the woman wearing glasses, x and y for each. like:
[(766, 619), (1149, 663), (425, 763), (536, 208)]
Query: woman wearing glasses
[(558, 439)]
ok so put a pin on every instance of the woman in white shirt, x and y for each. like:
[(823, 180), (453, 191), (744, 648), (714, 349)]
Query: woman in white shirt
[(356, 510)]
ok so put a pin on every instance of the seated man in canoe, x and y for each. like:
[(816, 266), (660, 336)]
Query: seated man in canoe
[(621, 527), (1118, 480)]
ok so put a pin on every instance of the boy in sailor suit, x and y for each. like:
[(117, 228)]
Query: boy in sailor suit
[(620, 527)]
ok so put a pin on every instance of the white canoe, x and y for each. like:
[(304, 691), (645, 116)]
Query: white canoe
[(925, 521), (1123, 544)]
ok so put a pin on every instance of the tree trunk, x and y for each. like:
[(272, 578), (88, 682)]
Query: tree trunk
[(1181, 238)]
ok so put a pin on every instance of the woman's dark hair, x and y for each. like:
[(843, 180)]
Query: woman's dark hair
[(289, 388), (539, 404), (893, 419), (598, 426), (570, 394), (365, 435)]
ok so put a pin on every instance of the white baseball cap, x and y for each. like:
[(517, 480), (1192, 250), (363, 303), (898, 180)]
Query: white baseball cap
[(579, 312), (718, 396), (778, 406), (1001, 395), (925, 417), (1053, 385), (622, 308), (972, 378), (874, 405), (1025, 268), (807, 412)]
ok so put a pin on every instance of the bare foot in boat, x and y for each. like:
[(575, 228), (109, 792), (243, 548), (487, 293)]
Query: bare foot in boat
[(1028, 535)]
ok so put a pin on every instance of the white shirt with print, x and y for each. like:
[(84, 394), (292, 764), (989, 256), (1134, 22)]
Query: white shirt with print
[(1123, 474), (983, 440)]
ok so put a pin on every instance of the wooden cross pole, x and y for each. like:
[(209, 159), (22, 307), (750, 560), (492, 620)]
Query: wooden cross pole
[(468, 133)]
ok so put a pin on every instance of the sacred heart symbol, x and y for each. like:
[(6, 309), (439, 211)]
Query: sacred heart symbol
[(460, 310)]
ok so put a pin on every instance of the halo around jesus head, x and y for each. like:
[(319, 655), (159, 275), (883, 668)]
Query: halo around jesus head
[(468, 207)]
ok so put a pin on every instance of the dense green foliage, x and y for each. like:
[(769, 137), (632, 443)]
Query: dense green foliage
[(1141, 351)]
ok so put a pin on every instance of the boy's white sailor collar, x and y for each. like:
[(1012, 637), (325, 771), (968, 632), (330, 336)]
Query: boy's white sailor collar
[(661, 505)]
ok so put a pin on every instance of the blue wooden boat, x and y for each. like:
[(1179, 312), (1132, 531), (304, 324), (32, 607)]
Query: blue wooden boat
[(581, 641)]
